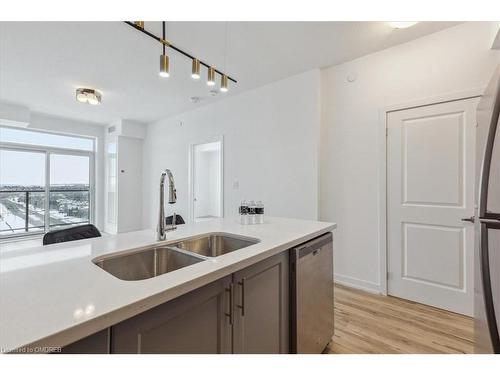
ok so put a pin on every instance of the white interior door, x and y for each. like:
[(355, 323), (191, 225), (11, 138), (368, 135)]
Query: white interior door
[(430, 188)]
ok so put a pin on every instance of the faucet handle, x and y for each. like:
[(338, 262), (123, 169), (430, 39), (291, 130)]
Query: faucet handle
[(172, 196)]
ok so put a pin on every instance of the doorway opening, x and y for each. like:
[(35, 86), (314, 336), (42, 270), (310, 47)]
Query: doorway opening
[(206, 180)]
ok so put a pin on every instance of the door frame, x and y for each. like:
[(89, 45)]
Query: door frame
[(382, 166), (218, 138)]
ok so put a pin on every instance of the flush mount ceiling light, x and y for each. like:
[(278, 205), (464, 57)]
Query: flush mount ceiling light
[(89, 96), (196, 63), (402, 24)]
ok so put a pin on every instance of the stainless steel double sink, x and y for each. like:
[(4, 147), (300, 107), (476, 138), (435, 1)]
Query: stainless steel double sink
[(157, 260)]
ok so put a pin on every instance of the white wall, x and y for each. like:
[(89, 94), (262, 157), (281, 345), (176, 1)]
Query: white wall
[(123, 176), (75, 127), (270, 149), (129, 184), (449, 61)]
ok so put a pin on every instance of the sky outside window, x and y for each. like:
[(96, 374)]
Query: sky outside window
[(45, 139), (69, 169), (22, 168)]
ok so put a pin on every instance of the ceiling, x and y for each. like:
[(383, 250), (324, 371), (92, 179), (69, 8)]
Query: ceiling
[(42, 63)]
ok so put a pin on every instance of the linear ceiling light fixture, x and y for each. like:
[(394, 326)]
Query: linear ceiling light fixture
[(164, 62)]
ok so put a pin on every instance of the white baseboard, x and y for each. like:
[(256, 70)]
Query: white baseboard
[(356, 283)]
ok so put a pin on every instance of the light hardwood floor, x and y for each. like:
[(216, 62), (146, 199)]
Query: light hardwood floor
[(370, 323)]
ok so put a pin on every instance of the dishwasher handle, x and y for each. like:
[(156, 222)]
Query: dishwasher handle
[(313, 246)]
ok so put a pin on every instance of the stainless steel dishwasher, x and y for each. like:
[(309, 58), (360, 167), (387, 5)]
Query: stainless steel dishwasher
[(311, 281)]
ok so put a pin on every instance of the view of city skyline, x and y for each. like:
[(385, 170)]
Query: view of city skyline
[(22, 208)]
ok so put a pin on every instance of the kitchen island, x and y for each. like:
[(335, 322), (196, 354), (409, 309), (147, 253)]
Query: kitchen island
[(53, 296)]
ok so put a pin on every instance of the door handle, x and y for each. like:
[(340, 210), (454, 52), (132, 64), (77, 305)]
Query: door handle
[(469, 219), (230, 290), (487, 290), (242, 306), (487, 159), (490, 223)]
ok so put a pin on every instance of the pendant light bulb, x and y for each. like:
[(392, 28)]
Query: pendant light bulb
[(223, 83), (164, 66), (211, 77), (195, 69)]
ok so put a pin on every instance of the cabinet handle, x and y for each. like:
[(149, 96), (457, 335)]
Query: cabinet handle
[(231, 303), (242, 306)]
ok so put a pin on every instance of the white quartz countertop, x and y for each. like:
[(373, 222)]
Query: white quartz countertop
[(54, 295)]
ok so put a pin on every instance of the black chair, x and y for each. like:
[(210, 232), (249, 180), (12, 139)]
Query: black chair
[(71, 234), (178, 220)]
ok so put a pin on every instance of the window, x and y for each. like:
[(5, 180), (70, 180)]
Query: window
[(45, 181), (22, 194), (36, 138)]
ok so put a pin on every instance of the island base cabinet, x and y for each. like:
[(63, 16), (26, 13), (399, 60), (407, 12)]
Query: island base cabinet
[(261, 321), (195, 323), (98, 343), (246, 312)]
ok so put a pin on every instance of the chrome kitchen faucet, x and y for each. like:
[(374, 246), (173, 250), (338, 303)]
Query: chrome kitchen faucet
[(172, 198)]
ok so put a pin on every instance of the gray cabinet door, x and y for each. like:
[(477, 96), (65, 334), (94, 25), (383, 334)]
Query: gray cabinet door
[(98, 343), (193, 323), (261, 322)]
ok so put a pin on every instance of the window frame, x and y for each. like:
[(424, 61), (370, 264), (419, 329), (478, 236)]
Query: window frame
[(48, 151)]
